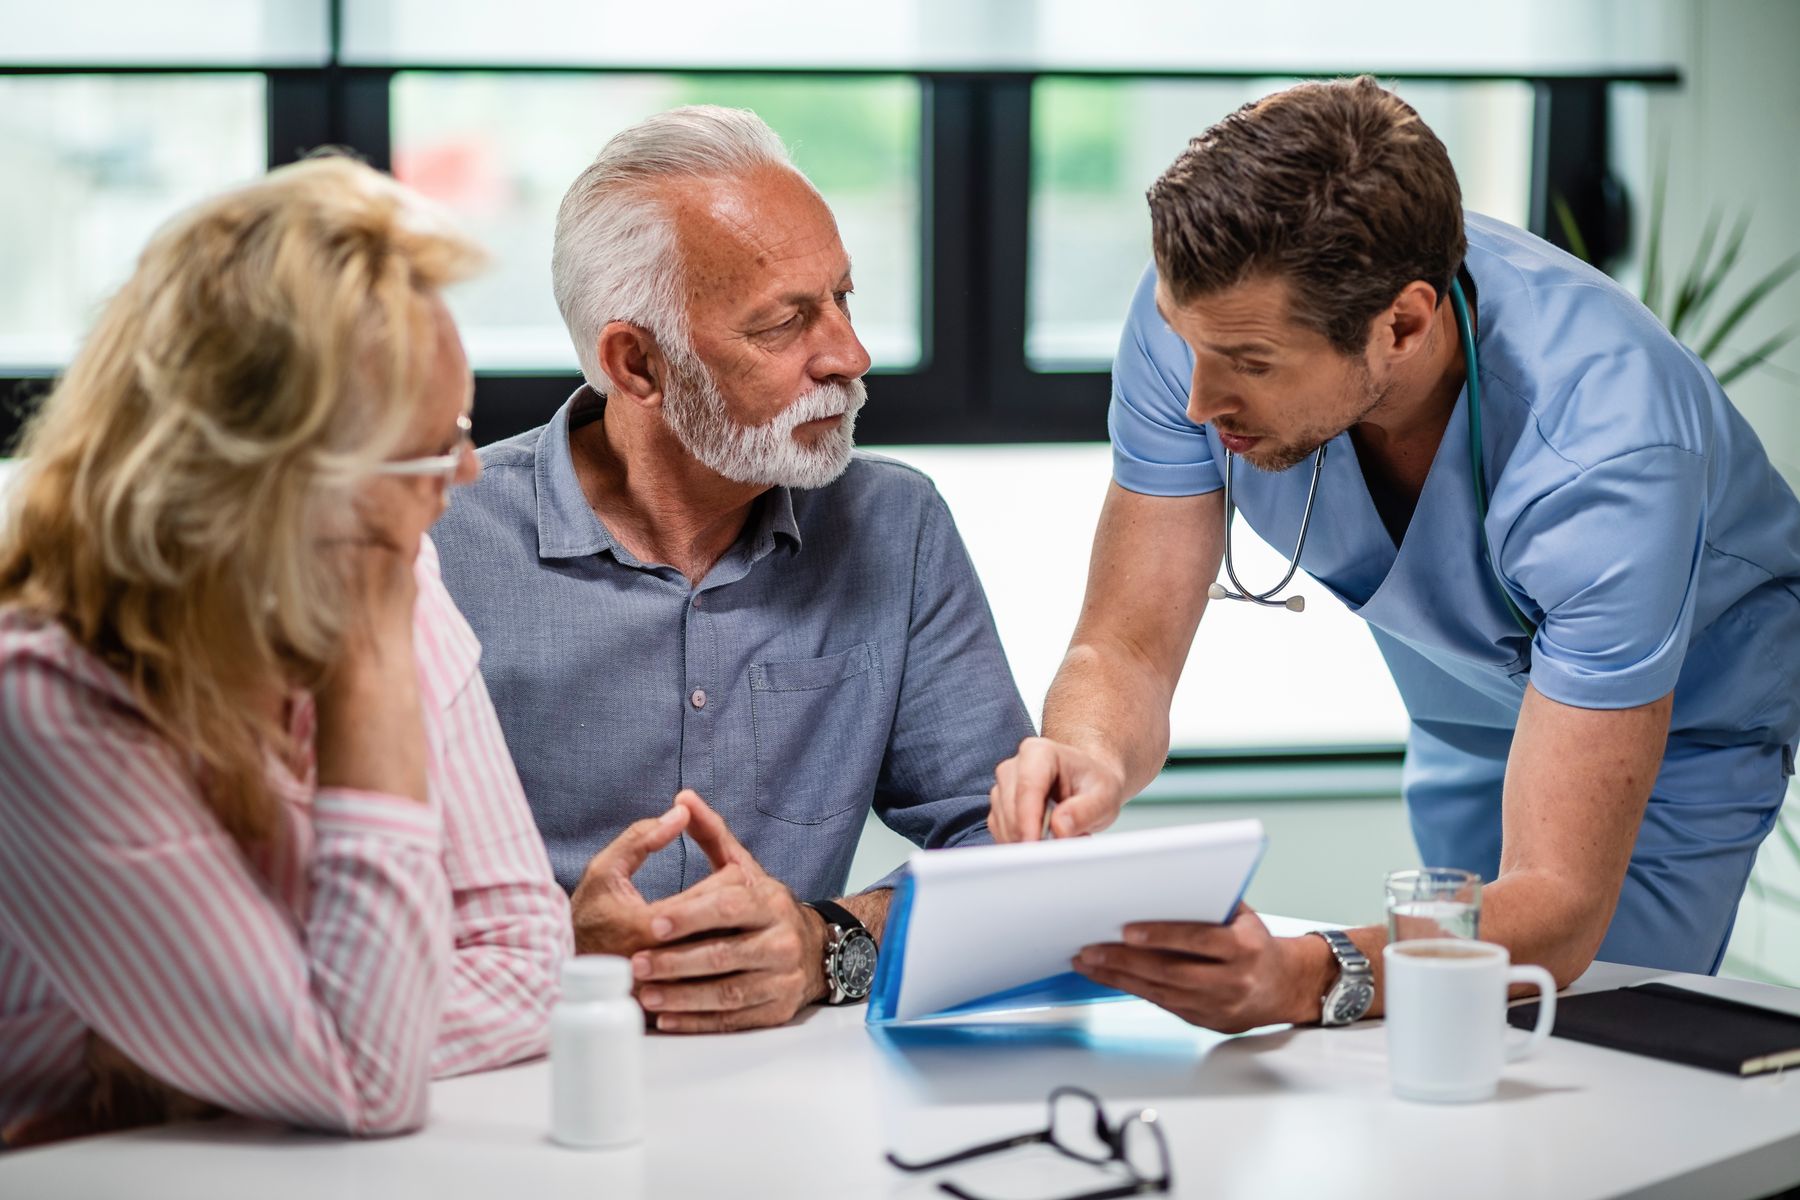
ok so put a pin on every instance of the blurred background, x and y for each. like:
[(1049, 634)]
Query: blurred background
[(987, 161)]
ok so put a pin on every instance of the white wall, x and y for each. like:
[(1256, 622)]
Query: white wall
[(1733, 141)]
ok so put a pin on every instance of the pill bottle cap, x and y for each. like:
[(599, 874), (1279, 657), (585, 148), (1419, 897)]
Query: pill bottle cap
[(596, 977)]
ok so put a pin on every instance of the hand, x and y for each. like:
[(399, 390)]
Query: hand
[(1228, 978), (1088, 792), (611, 916), (736, 950), (374, 559)]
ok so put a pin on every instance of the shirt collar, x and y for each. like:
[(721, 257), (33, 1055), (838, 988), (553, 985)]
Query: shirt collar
[(567, 526)]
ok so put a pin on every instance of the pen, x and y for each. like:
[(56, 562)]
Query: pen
[(1049, 807)]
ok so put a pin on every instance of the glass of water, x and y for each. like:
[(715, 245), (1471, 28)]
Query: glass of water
[(1433, 902)]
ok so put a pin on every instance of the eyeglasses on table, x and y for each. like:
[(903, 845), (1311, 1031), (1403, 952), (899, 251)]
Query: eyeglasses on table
[(1078, 1128)]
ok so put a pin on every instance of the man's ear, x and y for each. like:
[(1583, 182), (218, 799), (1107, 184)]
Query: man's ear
[(1403, 330), (634, 363)]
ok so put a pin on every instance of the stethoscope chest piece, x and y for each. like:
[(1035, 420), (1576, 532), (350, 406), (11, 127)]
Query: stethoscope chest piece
[(1218, 591)]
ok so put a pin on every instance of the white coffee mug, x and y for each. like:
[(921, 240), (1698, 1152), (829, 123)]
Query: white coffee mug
[(1446, 1017)]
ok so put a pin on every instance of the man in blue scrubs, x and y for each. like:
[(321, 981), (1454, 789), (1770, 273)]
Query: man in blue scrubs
[(1610, 755)]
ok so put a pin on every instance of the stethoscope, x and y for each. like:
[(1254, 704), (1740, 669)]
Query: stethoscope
[(1218, 591)]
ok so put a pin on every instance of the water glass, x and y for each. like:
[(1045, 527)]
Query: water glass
[(1433, 902)]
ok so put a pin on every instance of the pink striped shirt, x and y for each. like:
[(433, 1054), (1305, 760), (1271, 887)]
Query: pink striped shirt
[(376, 943)]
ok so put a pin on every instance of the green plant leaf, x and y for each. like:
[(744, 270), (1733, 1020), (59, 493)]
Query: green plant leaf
[(1692, 304), (1746, 304), (1757, 356), (1691, 279), (1653, 238), (1565, 216)]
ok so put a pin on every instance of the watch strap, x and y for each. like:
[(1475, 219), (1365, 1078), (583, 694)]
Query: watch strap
[(835, 914), (1354, 974)]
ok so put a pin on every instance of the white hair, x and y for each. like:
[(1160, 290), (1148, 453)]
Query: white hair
[(615, 257)]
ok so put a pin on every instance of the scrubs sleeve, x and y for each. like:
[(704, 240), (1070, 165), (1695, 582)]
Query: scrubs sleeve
[(1611, 559), (1157, 451)]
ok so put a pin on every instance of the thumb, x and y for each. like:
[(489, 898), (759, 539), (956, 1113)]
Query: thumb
[(1087, 810), (711, 833)]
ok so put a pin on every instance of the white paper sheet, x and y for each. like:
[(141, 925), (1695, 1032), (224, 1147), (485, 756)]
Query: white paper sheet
[(988, 918)]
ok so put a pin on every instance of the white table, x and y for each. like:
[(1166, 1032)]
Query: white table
[(807, 1111)]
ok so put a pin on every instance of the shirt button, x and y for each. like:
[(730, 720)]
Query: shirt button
[(698, 699)]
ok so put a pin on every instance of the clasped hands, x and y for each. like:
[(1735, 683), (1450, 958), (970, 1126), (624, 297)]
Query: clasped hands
[(735, 951)]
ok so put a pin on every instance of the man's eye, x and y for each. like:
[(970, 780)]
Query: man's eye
[(1244, 368), (843, 299), (791, 323)]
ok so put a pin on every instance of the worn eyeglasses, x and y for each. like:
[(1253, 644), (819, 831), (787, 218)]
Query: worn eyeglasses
[(1078, 1127), (441, 466)]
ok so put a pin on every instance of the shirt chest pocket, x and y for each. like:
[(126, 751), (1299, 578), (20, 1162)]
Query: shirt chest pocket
[(821, 728)]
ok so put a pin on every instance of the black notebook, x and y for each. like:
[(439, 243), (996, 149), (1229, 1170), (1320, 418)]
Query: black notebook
[(1676, 1024)]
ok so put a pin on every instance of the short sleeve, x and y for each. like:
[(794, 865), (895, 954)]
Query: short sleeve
[(1612, 558), (1157, 451)]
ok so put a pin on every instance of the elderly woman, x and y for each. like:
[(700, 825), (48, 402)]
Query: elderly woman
[(262, 848)]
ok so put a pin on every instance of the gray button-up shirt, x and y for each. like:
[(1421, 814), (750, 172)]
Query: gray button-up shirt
[(840, 655)]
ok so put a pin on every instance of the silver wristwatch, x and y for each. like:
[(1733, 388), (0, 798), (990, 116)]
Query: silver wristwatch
[(1350, 997)]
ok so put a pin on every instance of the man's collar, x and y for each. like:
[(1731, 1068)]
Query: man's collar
[(567, 525)]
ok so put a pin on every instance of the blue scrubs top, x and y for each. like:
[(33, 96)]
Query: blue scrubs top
[(1637, 522)]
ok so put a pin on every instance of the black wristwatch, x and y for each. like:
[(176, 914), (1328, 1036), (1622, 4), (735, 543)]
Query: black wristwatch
[(849, 953)]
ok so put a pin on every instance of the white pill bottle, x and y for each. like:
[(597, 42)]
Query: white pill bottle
[(596, 1056)]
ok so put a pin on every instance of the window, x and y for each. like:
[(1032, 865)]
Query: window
[(500, 150), (1097, 144), (108, 159), (986, 160)]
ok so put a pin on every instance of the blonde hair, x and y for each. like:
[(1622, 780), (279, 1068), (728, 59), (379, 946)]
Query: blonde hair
[(265, 354)]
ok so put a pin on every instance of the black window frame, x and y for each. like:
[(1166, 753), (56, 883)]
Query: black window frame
[(973, 383)]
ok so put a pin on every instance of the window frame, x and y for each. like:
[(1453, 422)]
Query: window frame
[(973, 383)]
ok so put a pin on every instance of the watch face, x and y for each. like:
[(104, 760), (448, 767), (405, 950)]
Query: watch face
[(854, 965), (1353, 1002)]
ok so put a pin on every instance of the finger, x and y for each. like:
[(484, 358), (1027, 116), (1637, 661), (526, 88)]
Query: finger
[(632, 848), (1155, 966), (728, 904), (1198, 938), (1034, 779), (726, 993), (711, 833), (761, 1017), (1087, 808), (702, 959)]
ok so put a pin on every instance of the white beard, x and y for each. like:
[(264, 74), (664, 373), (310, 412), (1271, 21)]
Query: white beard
[(766, 454)]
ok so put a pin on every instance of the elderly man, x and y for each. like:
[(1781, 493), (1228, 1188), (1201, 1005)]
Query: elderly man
[(687, 582)]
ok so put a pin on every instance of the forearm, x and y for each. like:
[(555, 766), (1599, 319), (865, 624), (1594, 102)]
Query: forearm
[(1114, 706), (1577, 784)]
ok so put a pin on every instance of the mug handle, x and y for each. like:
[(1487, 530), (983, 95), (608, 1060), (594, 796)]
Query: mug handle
[(1540, 979)]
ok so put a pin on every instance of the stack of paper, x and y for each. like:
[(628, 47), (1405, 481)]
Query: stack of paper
[(989, 927)]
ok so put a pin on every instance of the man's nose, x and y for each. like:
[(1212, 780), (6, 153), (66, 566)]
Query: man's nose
[(1209, 395), (840, 352)]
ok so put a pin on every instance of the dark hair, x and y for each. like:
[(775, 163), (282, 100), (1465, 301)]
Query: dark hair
[(1338, 188)]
